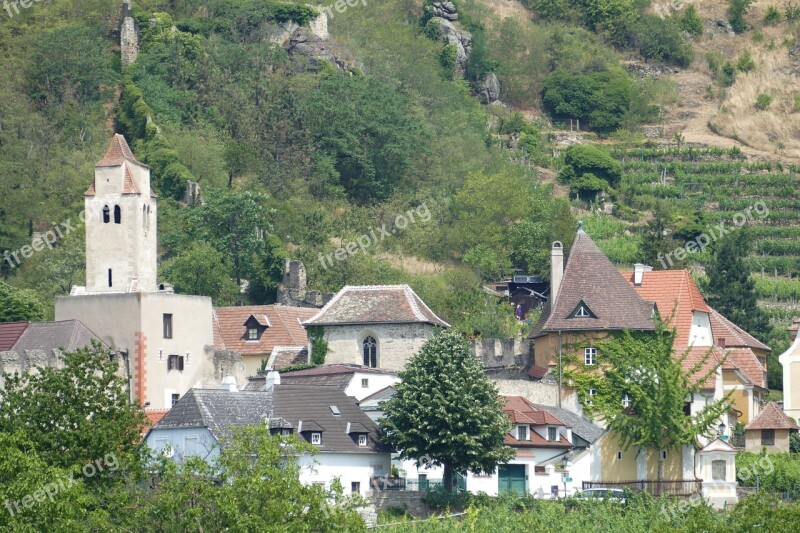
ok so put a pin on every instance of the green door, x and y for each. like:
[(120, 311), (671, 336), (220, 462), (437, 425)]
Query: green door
[(511, 479)]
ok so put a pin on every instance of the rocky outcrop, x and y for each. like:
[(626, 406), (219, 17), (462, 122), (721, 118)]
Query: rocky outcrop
[(461, 39), (304, 42), (292, 289), (490, 89), (445, 10)]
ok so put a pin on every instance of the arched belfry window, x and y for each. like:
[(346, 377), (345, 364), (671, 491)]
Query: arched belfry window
[(370, 352), (117, 215), (106, 215)]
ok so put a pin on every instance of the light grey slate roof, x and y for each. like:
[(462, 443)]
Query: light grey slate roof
[(581, 426), (285, 406), (375, 304), (65, 335)]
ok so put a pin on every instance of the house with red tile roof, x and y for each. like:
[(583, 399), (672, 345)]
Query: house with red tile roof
[(274, 333), (377, 326), (770, 430), (703, 334)]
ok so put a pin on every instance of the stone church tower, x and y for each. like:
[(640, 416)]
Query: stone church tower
[(121, 232)]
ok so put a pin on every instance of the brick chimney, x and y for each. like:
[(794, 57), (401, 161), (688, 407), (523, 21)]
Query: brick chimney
[(556, 271)]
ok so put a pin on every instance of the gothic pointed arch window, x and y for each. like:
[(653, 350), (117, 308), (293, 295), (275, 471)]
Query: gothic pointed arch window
[(370, 352), (106, 215), (117, 215)]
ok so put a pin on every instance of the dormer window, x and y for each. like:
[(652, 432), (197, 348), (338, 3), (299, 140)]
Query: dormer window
[(582, 311), (552, 434), (362, 440), (316, 438), (255, 325), (286, 432), (522, 432)]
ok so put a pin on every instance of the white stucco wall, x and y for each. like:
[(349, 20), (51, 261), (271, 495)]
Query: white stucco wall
[(790, 360), (347, 467), (700, 334), (396, 343), (117, 318), (375, 382)]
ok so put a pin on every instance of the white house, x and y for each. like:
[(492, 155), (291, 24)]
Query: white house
[(346, 439), (377, 326), (790, 360), (166, 338)]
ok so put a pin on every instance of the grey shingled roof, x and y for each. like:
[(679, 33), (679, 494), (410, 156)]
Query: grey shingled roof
[(582, 427), (589, 276), (375, 304), (286, 404), (65, 335)]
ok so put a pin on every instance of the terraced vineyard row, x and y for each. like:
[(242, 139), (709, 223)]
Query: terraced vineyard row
[(727, 187)]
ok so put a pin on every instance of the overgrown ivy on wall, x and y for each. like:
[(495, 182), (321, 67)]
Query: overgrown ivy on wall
[(319, 346)]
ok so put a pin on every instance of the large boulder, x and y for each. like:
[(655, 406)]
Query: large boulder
[(305, 43), (490, 89), (461, 39), (445, 10)]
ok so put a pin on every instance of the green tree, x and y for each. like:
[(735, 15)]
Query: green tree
[(737, 9), (690, 21), (446, 412), (642, 388), (76, 414), (18, 305), (201, 270), (234, 222), (589, 169), (601, 97), (657, 241), (730, 289), (530, 240)]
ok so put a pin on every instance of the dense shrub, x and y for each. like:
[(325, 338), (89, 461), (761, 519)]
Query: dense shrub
[(663, 40), (763, 101), (737, 9), (746, 62), (772, 16), (601, 98), (690, 21)]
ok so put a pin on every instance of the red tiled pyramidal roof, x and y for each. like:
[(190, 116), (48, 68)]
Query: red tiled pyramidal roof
[(771, 417), (117, 153)]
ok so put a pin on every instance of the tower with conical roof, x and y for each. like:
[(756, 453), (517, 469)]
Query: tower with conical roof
[(120, 214)]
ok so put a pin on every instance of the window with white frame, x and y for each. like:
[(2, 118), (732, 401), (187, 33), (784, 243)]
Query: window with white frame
[(286, 432), (590, 396), (362, 440), (522, 432), (316, 438), (552, 434), (252, 334), (626, 401), (590, 356)]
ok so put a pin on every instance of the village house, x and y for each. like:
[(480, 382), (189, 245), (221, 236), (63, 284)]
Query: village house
[(166, 338), (346, 440), (377, 326), (790, 361), (25, 346), (356, 381), (770, 430), (704, 333), (263, 332)]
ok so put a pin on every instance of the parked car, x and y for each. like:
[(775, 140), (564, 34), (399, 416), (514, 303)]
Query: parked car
[(601, 493)]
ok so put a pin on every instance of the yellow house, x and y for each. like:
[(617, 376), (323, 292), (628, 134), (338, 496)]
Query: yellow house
[(770, 430)]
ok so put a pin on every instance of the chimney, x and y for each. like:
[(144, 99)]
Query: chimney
[(556, 271), (273, 378), (638, 273), (721, 342), (229, 383)]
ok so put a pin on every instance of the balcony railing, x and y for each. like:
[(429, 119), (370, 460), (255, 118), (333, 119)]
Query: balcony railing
[(404, 484), (683, 487)]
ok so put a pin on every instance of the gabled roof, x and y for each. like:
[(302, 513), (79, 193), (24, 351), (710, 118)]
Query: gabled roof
[(748, 364), (306, 408), (522, 411), (581, 426), (375, 304), (284, 327), (334, 369), (672, 290), (590, 276), (338, 375), (117, 153), (9, 333), (734, 336), (772, 417), (65, 335)]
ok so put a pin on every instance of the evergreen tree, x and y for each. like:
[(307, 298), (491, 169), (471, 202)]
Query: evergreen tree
[(446, 412), (657, 243), (731, 291)]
